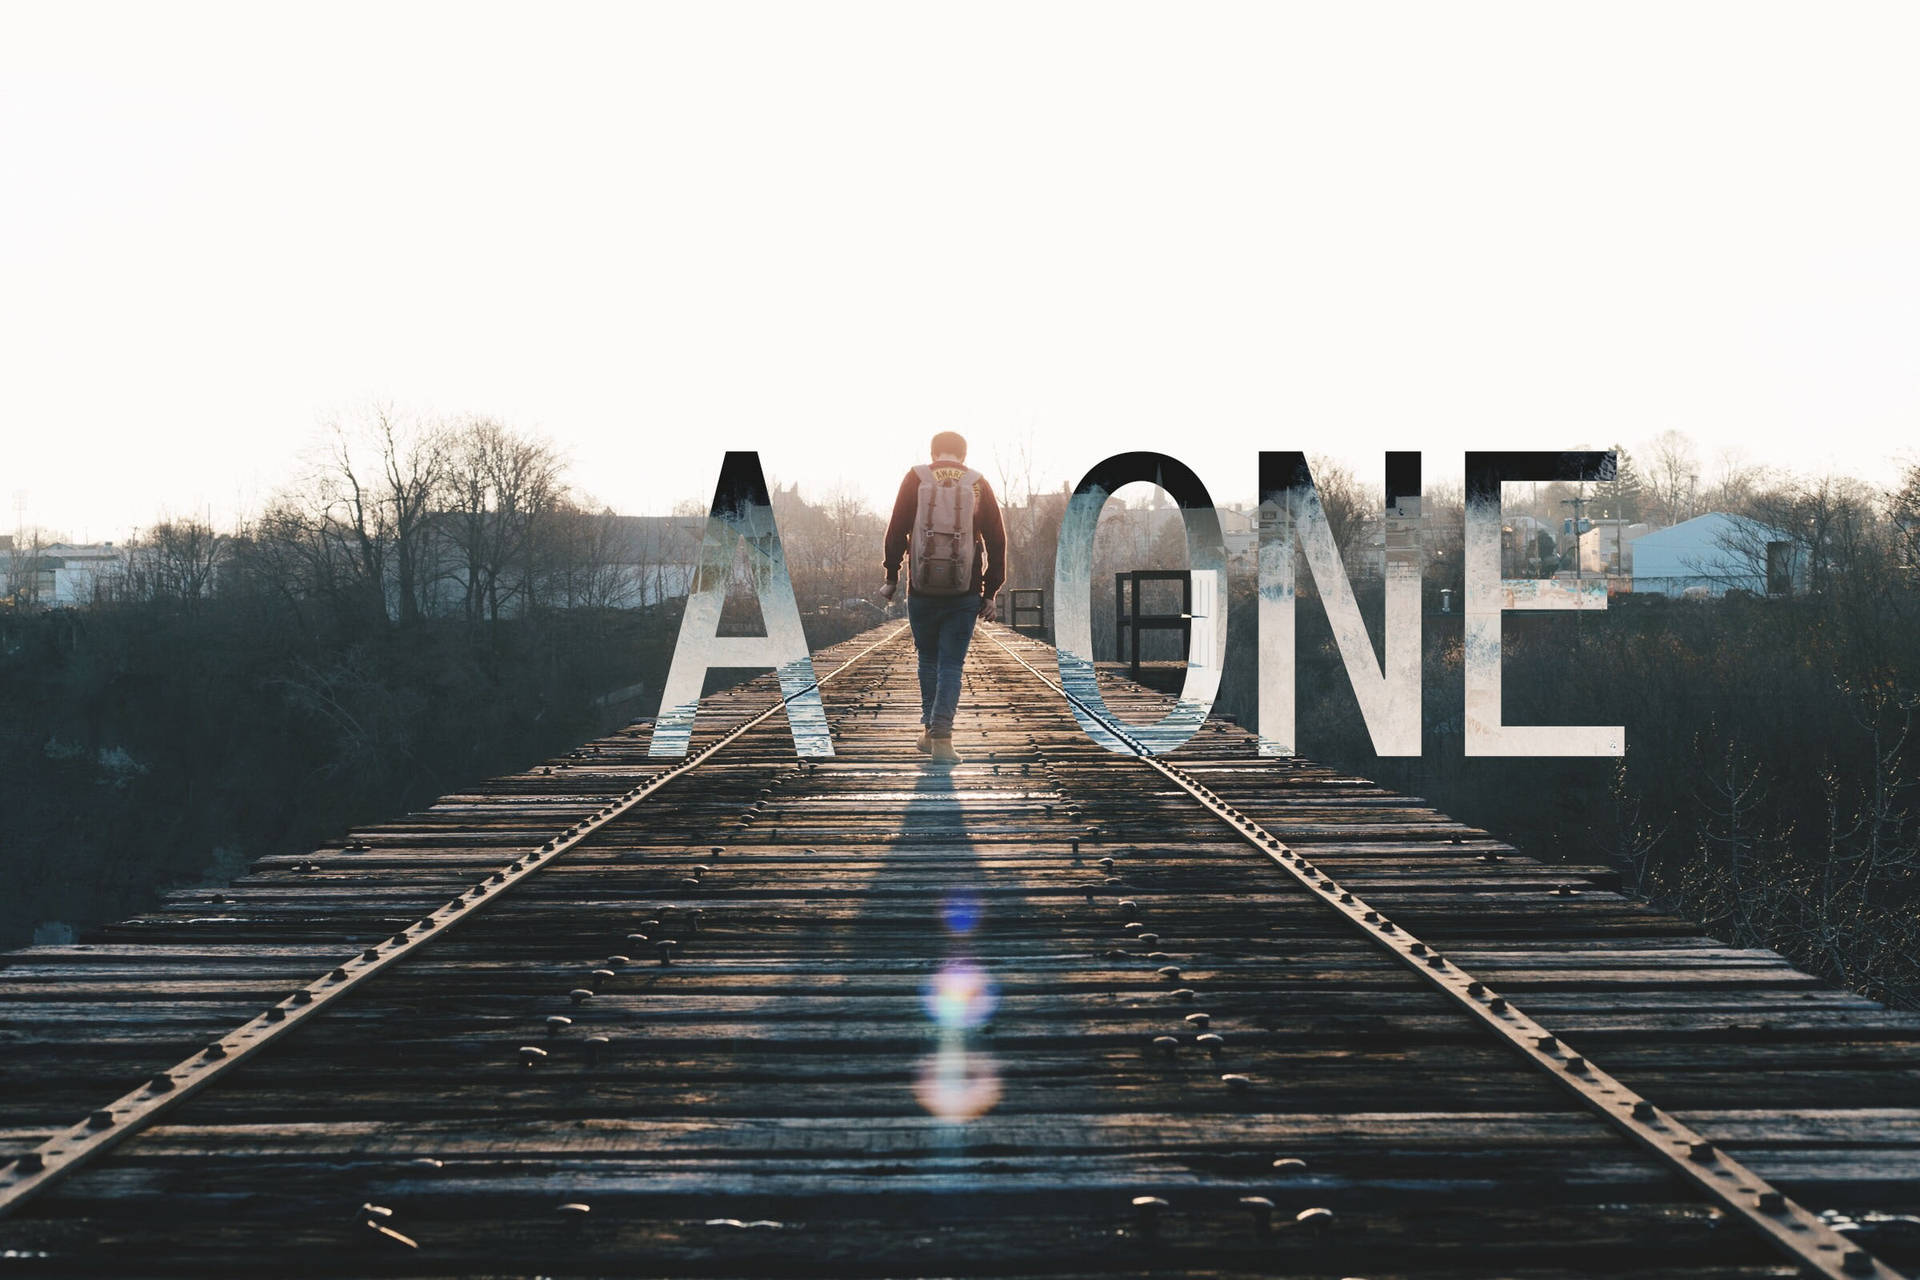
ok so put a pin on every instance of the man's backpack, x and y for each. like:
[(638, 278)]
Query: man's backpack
[(940, 556)]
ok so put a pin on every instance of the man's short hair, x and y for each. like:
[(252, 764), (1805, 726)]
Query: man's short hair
[(950, 444)]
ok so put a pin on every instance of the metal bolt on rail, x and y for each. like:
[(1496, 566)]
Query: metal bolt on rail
[(1146, 1211)]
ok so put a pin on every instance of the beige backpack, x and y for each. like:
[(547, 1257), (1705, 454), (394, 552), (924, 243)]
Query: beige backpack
[(940, 555)]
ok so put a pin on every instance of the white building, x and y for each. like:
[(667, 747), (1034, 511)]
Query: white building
[(1608, 545), (61, 573), (1712, 554)]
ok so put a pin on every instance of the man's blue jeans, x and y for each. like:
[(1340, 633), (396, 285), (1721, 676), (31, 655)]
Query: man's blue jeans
[(942, 629)]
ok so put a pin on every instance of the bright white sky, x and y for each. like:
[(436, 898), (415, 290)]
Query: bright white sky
[(824, 231)]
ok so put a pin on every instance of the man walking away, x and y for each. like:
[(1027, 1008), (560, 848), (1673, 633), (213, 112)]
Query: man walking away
[(947, 524)]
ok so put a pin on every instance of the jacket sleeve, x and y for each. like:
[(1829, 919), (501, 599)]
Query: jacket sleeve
[(993, 534), (905, 505)]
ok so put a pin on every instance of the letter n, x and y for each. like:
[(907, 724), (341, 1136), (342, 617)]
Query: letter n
[(741, 510), (1389, 691)]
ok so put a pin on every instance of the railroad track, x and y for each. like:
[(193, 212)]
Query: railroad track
[(753, 1015)]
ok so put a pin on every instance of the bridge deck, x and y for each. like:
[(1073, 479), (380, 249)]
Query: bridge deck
[(908, 1027)]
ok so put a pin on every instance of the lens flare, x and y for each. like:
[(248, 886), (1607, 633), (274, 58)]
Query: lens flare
[(960, 912), (957, 1084), (960, 997)]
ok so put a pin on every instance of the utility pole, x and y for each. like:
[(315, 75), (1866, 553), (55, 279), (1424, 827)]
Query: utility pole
[(1577, 504)]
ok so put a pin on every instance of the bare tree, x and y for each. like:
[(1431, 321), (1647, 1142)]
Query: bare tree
[(1673, 474), (504, 489), (347, 506), (415, 465), (23, 565), (1833, 522), (175, 560), (1903, 510), (1346, 506)]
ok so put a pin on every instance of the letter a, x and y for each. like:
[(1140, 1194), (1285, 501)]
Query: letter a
[(741, 509)]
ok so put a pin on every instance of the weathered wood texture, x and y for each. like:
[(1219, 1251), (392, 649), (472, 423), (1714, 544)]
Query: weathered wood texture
[(908, 1028)]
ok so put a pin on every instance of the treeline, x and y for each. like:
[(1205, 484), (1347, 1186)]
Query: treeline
[(431, 605), (399, 521), (146, 745)]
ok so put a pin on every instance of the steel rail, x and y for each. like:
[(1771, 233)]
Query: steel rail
[(108, 1126), (1791, 1227)]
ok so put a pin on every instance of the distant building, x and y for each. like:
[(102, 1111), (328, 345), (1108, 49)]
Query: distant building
[(1712, 554), (1607, 545), (61, 573), (1241, 531)]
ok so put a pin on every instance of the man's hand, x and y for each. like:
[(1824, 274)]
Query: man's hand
[(886, 591), (986, 609)]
